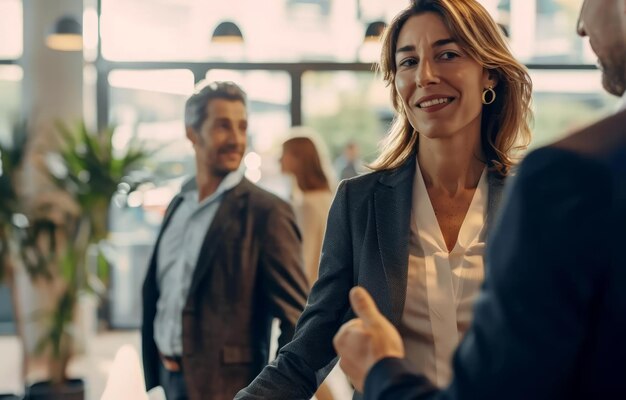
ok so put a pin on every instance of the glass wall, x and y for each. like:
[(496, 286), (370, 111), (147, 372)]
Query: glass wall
[(544, 31), (10, 94), (11, 26), (347, 107), (354, 106), (10, 87), (11, 44), (149, 105), (564, 101)]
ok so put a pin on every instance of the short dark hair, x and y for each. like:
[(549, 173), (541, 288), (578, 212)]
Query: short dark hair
[(196, 105)]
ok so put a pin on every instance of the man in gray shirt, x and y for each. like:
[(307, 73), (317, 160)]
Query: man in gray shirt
[(227, 261)]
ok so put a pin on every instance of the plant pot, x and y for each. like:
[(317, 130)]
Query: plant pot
[(72, 389)]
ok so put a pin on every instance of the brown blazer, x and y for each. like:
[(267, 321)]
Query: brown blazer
[(249, 271)]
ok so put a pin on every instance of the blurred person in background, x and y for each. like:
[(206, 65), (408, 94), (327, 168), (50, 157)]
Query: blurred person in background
[(349, 163), (551, 319), (312, 195), (227, 261), (413, 232)]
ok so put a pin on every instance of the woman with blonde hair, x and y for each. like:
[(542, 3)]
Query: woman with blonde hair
[(413, 231)]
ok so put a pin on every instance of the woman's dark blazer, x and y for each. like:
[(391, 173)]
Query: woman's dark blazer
[(366, 244)]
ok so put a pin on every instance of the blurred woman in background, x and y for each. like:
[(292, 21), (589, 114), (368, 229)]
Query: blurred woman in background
[(311, 199)]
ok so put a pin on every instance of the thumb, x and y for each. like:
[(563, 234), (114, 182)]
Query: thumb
[(364, 306)]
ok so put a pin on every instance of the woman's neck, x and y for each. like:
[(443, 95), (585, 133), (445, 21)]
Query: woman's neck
[(451, 164)]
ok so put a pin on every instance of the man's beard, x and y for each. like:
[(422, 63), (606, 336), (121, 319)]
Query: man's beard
[(614, 76), (222, 170)]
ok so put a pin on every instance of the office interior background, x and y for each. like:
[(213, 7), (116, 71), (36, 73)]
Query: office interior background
[(302, 62)]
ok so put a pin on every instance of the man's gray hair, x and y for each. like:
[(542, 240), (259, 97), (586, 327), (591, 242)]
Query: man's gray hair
[(196, 105)]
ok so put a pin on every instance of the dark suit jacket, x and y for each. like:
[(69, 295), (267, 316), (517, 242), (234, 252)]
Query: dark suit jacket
[(249, 271), (366, 244), (551, 320)]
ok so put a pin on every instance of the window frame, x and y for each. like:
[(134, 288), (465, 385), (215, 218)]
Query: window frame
[(294, 70)]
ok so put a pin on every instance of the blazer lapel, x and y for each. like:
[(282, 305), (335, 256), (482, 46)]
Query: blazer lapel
[(227, 216), (166, 220), (392, 208)]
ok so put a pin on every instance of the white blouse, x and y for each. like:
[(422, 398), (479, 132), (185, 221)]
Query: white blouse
[(441, 285)]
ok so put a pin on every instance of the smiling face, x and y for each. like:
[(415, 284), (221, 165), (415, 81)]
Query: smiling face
[(221, 141), (605, 24), (439, 84)]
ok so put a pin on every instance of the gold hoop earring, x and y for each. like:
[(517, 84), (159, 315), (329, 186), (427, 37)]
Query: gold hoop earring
[(491, 92)]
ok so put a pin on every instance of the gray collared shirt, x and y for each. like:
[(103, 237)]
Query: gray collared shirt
[(177, 257)]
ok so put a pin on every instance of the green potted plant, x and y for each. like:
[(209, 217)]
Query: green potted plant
[(11, 156), (88, 167)]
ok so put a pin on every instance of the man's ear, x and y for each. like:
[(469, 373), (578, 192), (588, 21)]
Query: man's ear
[(191, 134)]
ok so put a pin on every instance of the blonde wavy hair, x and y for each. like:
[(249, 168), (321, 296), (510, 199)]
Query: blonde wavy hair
[(505, 124)]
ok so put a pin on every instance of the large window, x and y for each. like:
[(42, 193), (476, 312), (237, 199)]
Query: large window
[(564, 101), (354, 107), (347, 107), (149, 106), (544, 31), (10, 94), (11, 23)]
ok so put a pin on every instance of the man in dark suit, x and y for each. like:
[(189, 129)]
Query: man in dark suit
[(226, 262), (551, 320)]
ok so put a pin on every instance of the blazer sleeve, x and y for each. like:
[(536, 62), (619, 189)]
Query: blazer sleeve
[(302, 365), (283, 280), (544, 271)]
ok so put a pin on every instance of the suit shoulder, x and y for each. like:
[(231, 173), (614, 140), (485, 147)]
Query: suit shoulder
[(262, 198), (559, 172), (365, 183), (364, 180)]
